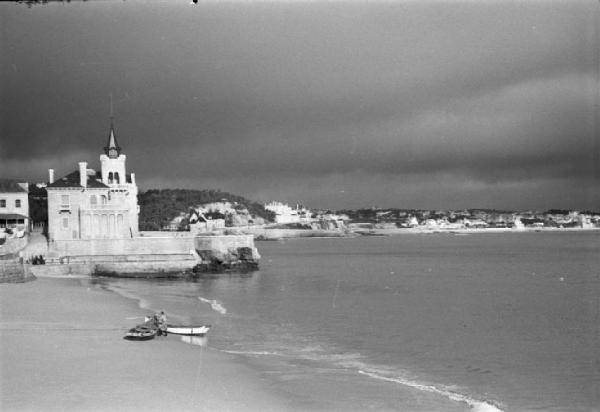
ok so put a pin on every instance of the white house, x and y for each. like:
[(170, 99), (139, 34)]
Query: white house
[(286, 214), (86, 204), (14, 204)]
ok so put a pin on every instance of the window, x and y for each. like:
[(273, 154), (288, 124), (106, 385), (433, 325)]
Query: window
[(65, 222), (2, 202), (93, 200), (110, 177), (64, 202), (17, 202), (117, 177)]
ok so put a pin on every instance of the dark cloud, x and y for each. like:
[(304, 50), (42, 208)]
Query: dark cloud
[(301, 99)]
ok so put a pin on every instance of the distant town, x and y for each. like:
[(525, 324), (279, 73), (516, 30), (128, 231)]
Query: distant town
[(228, 214), (211, 211)]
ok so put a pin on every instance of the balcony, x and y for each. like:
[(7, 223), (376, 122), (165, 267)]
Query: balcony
[(122, 187)]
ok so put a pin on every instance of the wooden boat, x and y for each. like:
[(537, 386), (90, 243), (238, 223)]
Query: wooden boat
[(188, 330), (141, 333)]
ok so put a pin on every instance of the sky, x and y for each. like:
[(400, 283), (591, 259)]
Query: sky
[(331, 104)]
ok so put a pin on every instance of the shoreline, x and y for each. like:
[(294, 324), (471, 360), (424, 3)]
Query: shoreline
[(57, 358), (309, 385), (282, 234), (464, 231)]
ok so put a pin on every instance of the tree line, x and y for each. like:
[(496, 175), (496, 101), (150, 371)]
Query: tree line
[(158, 207)]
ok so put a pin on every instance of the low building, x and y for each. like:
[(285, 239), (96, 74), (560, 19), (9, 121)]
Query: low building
[(14, 205), (202, 224), (286, 214)]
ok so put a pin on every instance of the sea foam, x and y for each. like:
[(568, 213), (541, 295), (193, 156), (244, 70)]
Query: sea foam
[(215, 305), (252, 353), (474, 404)]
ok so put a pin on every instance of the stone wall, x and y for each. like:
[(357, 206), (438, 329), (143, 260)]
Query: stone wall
[(275, 234), (137, 246), (156, 233), (13, 271), (151, 254), (223, 244), (13, 245)]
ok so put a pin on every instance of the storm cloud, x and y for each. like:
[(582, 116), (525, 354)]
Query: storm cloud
[(333, 104)]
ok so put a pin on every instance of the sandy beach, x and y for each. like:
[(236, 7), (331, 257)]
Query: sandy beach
[(62, 349)]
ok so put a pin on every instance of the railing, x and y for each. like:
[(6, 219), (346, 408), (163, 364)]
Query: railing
[(120, 186), (92, 208)]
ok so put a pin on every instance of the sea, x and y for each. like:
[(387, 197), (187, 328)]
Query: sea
[(414, 322)]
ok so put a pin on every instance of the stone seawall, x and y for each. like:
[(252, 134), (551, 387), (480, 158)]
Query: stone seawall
[(137, 245), (160, 255), (277, 234), (13, 271)]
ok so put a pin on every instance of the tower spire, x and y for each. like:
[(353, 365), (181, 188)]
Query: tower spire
[(112, 149)]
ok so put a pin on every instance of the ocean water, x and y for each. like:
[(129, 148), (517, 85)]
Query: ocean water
[(439, 322)]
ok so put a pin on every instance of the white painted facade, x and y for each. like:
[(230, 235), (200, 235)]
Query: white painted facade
[(90, 205), (286, 214), (14, 205)]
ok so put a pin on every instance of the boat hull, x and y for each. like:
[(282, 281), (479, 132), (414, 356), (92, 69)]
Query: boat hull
[(188, 330), (141, 334)]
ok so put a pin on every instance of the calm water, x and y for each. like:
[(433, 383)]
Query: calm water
[(483, 321)]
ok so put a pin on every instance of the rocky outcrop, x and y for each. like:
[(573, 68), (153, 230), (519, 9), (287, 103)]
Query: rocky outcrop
[(236, 259)]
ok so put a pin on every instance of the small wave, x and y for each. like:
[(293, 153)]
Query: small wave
[(252, 353), (215, 305), (475, 405), (142, 303)]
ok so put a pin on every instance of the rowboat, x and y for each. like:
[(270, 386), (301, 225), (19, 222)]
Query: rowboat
[(188, 330), (141, 333)]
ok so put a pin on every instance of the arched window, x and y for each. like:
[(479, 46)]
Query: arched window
[(93, 200), (110, 177), (117, 177), (103, 199)]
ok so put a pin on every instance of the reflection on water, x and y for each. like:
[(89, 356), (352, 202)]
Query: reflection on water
[(195, 340)]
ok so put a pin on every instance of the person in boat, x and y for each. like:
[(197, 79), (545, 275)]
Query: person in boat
[(162, 323)]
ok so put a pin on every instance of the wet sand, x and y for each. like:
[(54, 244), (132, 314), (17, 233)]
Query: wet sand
[(62, 348)]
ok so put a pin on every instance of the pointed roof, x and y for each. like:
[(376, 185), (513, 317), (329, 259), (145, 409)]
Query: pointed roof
[(112, 149)]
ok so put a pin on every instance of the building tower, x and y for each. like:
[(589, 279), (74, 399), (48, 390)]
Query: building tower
[(112, 162), (123, 189), (89, 205)]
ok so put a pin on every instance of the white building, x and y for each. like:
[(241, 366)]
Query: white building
[(201, 224), (86, 204), (14, 204), (286, 214)]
